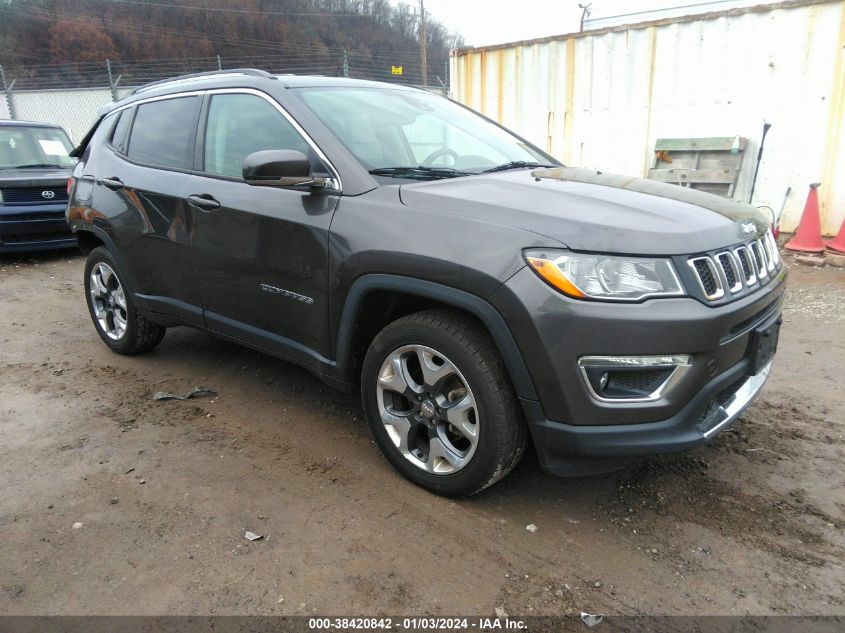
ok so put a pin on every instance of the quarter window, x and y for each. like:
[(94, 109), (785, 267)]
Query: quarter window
[(163, 132), (119, 135), (240, 124)]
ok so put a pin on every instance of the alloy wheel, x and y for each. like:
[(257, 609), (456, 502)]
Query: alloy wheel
[(108, 300), (428, 409)]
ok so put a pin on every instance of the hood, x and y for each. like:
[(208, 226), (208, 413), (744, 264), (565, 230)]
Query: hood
[(34, 177), (591, 211)]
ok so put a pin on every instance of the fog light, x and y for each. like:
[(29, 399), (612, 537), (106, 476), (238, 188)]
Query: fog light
[(622, 379)]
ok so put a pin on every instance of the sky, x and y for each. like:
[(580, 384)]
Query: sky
[(485, 22)]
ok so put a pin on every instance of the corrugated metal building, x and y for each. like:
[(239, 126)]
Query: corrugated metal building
[(601, 98), (601, 14)]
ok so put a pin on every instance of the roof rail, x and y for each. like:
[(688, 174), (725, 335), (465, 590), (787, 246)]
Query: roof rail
[(255, 72)]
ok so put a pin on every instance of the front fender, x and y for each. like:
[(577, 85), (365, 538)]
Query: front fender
[(465, 301)]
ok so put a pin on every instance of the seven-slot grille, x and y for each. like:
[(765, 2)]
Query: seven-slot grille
[(57, 194), (732, 270)]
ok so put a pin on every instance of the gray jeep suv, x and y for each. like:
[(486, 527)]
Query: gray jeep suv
[(478, 293)]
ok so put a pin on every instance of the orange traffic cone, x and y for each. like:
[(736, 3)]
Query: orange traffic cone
[(837, 244), (808, 237)]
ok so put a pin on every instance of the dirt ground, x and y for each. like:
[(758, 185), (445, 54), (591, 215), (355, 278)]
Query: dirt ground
[(113, 503)]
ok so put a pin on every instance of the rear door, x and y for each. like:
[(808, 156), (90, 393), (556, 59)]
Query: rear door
[(260, 253), (142, 186)]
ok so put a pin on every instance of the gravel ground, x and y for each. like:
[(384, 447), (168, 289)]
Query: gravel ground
[(114, 503)]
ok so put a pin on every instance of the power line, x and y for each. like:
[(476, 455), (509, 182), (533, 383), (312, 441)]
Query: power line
[(273, 56), (134, 69), (246, 11), (50, 16), (40, 14), (37, 13)]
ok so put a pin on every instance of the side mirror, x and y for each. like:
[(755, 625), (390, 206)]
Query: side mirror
[(279, 168)]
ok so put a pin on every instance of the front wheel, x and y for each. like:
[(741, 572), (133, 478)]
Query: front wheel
[(440, 405), (112, 310)]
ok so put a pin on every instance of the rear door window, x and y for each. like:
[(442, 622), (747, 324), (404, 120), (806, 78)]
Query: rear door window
[(164, 131)]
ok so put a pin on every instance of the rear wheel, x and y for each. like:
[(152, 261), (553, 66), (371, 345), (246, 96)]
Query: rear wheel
[(440, 405), (115, 316)]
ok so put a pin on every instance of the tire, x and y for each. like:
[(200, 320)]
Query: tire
[(123, 328), (440, 405)]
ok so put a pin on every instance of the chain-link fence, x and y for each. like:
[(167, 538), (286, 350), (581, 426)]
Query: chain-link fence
[(70, 94), (74, 109)]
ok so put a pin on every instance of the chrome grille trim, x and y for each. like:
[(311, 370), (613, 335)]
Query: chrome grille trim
[(766, 257), (743, 252), (751, 264), (767, 247), (759, 259), (770, 238), (735, 268), (719, 292)]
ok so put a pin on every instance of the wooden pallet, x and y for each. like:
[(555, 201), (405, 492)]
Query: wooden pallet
[(709, 164)]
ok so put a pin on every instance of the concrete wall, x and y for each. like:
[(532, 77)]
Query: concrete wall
[(600, 99)]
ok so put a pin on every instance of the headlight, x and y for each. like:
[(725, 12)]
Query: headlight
[(605, 277)]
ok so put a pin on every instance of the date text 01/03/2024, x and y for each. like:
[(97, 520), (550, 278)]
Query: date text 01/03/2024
[(415, 624)]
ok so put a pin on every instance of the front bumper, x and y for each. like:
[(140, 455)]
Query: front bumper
[(573, 432), (34, 227), (567, 450)]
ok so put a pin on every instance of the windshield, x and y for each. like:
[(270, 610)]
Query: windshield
[(37, 147), (387, 129)]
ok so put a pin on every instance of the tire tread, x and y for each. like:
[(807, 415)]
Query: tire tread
[(509, 427), (141, 334)]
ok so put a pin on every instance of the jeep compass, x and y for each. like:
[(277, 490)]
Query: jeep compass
[(477, 292)]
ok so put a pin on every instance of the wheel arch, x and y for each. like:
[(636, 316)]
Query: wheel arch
[(421, 294), (88, 241), (90, 236)]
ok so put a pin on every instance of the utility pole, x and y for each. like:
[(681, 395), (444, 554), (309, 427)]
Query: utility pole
[(7, 91), (423, 63), (585, 11), (112, 82)]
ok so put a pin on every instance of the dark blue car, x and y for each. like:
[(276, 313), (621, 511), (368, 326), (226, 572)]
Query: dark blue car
[(34, 169)]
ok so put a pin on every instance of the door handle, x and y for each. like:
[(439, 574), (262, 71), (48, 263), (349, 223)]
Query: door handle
[(112, 183), (204, 201)]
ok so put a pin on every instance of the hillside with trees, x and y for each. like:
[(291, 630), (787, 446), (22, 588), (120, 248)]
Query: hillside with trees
[(56, 41)]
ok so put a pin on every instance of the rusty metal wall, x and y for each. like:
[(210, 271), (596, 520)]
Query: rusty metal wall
[(600, 99)]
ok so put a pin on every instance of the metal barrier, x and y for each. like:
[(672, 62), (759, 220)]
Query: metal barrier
[(70, 94)]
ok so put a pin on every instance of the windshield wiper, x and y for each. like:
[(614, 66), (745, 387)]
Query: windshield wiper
[(421, 172), (515, 164), (34, 166)]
